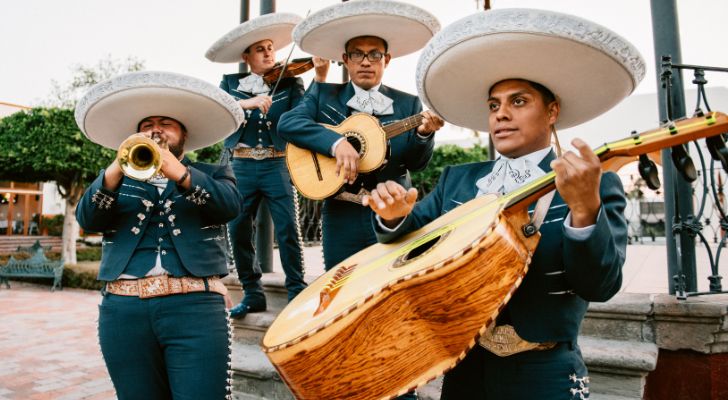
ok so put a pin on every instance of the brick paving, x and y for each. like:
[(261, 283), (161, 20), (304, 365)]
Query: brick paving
[(49, 345)]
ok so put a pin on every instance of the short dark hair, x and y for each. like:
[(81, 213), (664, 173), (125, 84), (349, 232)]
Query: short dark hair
[(386, 45), (546, 94), (184, 128)]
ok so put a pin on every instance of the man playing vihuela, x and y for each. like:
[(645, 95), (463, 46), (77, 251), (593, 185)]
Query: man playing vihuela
[(582, 70), (164, 329), (365, 35), (258, 151)]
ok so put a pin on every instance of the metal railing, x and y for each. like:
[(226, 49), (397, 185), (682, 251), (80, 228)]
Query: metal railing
[(709, 225)]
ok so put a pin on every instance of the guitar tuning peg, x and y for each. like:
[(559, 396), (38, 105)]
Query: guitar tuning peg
[(718, 150), (684, 163), (648, 172)]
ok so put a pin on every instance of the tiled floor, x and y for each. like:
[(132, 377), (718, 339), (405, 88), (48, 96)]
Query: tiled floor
[(48, 345)]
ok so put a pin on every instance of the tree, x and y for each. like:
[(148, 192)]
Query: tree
[(45, 144), (84, 76)]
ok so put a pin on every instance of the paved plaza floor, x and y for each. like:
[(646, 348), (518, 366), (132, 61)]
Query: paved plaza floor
[(49, 346)]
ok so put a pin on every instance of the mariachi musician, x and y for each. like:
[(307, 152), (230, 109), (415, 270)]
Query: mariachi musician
[(163, 327), (583, 70), (258, 150), (365, 35)]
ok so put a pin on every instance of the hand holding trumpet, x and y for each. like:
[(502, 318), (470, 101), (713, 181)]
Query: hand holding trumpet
[(157, 148)]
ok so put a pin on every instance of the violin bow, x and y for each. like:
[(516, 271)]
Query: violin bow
[(290, 53)]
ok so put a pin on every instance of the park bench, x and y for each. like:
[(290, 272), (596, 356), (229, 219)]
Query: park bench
[(37, 266)]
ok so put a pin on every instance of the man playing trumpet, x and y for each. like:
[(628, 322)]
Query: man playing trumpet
[(163, 327)]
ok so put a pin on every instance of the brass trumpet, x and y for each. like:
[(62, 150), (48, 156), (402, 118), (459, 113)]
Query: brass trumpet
[(139, 157)]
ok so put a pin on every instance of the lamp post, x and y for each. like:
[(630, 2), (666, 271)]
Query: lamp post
[(244, 16), (263, 219), (677, 191)]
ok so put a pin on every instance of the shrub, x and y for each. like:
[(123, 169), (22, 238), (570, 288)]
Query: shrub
[(443, 156), (53, 225)]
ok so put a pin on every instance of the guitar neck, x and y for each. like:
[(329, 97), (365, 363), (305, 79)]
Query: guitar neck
[(402, 126), (675, 133)]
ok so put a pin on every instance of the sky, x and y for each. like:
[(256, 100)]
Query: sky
[(43, 39)]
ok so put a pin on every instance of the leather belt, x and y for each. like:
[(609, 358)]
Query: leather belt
[(257, 153), (164, 285), (503, 341)]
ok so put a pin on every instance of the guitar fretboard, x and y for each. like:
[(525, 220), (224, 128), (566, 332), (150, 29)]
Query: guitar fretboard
[(402, 125), (646, 142)]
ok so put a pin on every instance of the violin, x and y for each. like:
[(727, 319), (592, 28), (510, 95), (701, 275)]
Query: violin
[(293, 68)]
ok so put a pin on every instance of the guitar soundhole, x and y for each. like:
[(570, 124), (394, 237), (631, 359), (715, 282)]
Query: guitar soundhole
[(357, 141), (418, 251)]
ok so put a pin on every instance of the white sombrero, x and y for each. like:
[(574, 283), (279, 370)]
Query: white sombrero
[(405, 27), (111, 110), (276, 27), (588, 67)]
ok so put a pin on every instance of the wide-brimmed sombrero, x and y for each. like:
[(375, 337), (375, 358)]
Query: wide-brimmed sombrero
[(276, 27), (587, 66), (405, 27), (111, 110)]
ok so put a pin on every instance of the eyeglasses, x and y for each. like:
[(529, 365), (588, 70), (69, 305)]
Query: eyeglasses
[(358, 56)]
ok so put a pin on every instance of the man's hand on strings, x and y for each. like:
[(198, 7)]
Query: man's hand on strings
[(391, 201)]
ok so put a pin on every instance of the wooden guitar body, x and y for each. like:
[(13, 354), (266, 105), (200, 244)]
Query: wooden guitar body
[(314, 174), (420, 303)]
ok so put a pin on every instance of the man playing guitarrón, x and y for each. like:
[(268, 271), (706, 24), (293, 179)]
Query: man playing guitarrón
[(530, 352)]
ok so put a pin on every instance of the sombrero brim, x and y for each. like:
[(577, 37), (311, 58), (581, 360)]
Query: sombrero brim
[(276, 27), (405, 27), (588, 67), (111, 110)]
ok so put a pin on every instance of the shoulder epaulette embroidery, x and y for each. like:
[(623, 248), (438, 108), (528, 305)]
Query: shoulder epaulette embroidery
[(199, 196), (102, 200)]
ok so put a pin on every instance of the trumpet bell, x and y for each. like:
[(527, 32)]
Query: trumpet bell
[(139, 157)]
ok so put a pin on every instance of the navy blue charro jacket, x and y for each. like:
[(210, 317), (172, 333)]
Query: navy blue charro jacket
[(195, 229), (288, 94)]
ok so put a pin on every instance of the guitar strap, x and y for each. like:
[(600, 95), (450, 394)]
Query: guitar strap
[(542, 208), (544, 203), (352, 197)]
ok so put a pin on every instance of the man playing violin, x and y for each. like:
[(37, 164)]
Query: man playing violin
[(346, 228), (258, 151), (530, 351)]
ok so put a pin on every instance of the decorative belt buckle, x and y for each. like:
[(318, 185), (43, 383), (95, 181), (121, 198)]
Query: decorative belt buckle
[(259, 153), (153, 286), (503, 341)]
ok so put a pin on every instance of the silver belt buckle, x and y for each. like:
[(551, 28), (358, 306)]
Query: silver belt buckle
[(153, 286), (259, 153)]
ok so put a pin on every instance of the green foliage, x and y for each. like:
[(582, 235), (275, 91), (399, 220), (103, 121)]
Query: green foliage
[(54, 225), (45, 144), (210, 154), (89, 254), (443, 156), (80, 278), (83, 254)]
